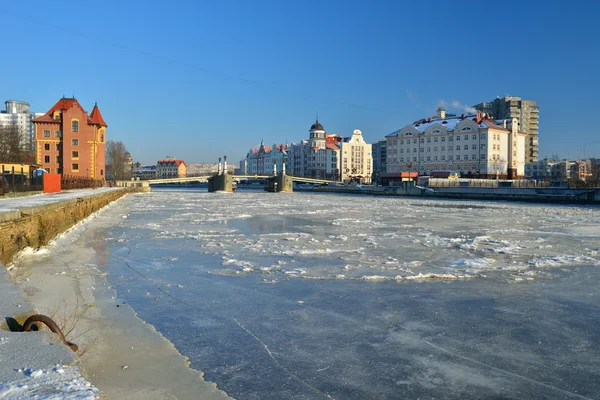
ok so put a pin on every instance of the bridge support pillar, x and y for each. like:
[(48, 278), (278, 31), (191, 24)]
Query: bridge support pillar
[(222, 183), (280, 183)]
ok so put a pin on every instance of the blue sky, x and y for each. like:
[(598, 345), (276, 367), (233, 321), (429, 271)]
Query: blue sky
[(200, 79)]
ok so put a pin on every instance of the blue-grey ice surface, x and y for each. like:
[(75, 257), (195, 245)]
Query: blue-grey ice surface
[(306, 296)]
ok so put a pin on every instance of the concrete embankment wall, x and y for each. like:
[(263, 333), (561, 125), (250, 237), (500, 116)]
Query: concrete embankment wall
[(36, 226), (540, 195)]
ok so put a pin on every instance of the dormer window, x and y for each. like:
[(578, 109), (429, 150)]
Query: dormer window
[(466, 128)]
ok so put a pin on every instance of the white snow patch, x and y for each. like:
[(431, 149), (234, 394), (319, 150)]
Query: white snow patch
[(61, 382)]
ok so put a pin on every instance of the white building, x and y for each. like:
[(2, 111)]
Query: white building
[(317, 157), (473, 145), (265, 159), (18, 114), (356, 158)]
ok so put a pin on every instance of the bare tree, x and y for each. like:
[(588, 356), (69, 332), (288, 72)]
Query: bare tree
[(117, 160), (10, 144)]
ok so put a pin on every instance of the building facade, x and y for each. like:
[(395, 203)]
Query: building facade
[(472, 145), (267, 159), (71, 142), (145, 172), (317, 157), (171, 168), (17, 114), (356, 159), (525, 111), (379, 159)]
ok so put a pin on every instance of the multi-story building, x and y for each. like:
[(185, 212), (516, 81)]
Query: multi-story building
[(69, 141), (171, 168), (317, 157), (265, 159), (525, 111), (379, 159), (18, 115), (356, 159), (540, 170), (145, 172), (473, 145), (203, 169)]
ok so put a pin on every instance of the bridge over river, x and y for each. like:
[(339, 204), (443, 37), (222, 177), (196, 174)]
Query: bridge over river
[(224, 182)]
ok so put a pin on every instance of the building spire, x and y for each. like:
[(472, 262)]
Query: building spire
[(317, 116)]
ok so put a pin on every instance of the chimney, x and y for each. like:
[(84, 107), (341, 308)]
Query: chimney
[(462, 116), (478, 117)]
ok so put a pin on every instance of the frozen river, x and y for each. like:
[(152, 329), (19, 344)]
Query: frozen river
[(308, 296)]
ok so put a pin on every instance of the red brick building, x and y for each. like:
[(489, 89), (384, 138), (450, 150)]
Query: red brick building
[(69, 141)]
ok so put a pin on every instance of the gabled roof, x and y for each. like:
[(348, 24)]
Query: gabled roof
[(177, 162), (96, 115), (64, 104)]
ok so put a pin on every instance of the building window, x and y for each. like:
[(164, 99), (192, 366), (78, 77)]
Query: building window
[(428, 140), (46, 146), (474, 137), (102, 138), (415, 141), (75, 167), (58, 134), (429, 149), (435, 149), (101, 172), (443, 148), (75, 154), (75, 142), (443, 139), (474, 147), (58, 146), (58, 159), (466, 128), (457, 138), (466, 147), (457, 147), (443, 158), (422, 150), (46, 132), (75, 126), (435, 140), (46, 159), (483, 146), (466, 137)]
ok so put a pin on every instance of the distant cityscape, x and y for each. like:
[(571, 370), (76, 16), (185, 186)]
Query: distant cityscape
[(493, 140)]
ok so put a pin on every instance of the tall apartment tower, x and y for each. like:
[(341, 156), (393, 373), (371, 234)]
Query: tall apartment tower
[(18, 114), (71, 142), (527, 113)]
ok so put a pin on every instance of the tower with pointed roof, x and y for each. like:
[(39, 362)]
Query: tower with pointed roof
[(70, 142)]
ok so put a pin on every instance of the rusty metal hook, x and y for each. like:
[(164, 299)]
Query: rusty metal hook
[(50, 324)]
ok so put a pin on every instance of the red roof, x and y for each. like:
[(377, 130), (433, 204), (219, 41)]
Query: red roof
[(65, 104), (178, 162), (97, 116)]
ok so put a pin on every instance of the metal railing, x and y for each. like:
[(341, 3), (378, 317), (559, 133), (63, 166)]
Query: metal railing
[(68, 182), (15, 180)]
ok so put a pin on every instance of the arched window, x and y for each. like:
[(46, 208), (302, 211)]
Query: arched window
[(101, 137), (436, 131), (466, 128), (75, 126)]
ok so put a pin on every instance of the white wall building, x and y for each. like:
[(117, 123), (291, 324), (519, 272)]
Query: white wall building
[(356, 158), (473, 145), (18, 114), (265, 159)]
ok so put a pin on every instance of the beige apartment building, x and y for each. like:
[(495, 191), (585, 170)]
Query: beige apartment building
[(525, 111), (356, 159), (472, 145)]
